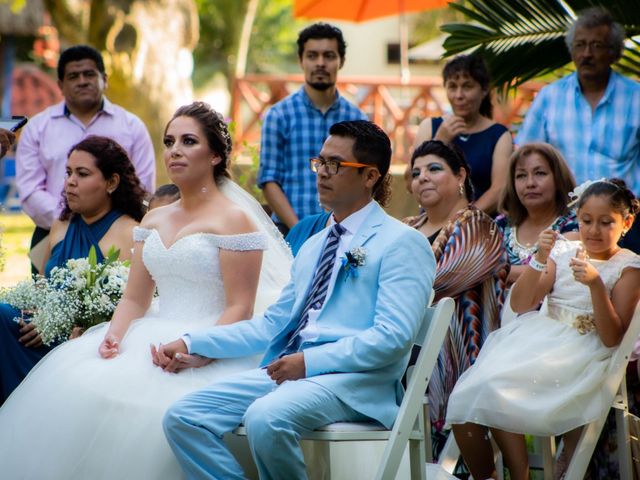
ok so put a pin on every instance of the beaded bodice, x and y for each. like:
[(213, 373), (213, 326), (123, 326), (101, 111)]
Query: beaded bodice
[(187, 273)]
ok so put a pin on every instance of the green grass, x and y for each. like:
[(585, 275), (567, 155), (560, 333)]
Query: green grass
[(15, 237), (16, 233)]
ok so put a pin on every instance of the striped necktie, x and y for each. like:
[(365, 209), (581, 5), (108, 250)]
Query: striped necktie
[(319, 285)]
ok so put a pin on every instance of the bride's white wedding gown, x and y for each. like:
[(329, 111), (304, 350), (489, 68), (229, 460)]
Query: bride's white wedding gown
[(77, 416)]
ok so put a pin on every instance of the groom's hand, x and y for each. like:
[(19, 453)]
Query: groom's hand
[(173, 357), (289, 367), (164, 354)]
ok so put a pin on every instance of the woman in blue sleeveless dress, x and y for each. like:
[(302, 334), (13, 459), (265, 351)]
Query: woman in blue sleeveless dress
[(486, 144), (102, 203)]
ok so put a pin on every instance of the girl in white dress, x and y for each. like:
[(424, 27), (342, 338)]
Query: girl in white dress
[(93, 407), (542, 373)]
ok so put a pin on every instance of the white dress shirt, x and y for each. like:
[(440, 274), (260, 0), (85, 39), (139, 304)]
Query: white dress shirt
[(351, 225)]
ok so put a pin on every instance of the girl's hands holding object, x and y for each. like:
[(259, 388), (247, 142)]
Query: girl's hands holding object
[(546, 241), (583, 271)]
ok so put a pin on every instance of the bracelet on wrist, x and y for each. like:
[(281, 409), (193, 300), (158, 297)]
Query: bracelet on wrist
[(536, 265)]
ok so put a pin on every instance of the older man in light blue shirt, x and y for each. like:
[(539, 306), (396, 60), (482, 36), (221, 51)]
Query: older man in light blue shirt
[(592, 115)]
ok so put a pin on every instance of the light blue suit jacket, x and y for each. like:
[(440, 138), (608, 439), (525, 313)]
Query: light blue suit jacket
[(367, 325)]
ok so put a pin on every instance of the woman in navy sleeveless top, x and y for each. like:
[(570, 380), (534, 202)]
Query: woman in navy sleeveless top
[(102, 203), (486, 144)]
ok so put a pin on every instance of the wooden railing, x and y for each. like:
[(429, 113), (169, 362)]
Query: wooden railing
[(396, 107)]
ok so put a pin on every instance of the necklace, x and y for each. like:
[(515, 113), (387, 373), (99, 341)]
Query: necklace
[(522, 251), (464, 138)]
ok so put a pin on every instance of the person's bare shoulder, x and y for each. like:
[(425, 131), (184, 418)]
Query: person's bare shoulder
[(235, 222), (125, 222), (122, 231), (155, 217), (424, 132), (58, 231)]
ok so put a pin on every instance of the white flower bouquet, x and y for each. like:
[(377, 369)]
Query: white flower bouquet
[(81, 294)]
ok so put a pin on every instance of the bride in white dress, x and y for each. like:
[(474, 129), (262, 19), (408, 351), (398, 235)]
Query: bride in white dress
[(92, 408)]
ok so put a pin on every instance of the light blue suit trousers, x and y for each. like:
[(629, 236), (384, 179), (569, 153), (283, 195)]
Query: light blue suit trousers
[(274, 415)]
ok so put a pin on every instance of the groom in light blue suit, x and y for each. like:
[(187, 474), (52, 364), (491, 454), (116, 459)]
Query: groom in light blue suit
[(338, 339)]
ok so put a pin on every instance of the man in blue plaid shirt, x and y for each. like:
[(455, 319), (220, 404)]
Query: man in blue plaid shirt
[(592, 115), (295, 128)]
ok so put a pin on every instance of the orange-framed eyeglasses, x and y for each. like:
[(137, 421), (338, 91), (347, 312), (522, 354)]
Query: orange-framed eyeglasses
[(333, 166)]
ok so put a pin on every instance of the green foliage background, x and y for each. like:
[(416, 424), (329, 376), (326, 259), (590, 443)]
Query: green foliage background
[(272, 48)]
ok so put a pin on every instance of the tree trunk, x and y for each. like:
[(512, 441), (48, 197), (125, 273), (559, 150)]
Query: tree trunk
[(147, 48)]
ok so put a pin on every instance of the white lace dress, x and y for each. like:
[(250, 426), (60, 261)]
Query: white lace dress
[(77, 416), (542, 373)]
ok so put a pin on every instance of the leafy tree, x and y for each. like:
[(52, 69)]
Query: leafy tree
[(220, 26), (426, 25), (523, 39), (272, 43)]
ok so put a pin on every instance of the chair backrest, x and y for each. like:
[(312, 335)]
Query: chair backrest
[(619, 360), (616, 373), (432, 295), (431, 337), (507, 315)]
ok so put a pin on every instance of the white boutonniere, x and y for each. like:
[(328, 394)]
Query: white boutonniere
[(353, 259)]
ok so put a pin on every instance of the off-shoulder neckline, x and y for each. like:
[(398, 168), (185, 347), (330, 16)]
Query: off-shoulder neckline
[(194, 234)]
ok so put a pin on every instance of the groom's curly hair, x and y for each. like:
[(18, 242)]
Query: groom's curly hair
[(371, 146)]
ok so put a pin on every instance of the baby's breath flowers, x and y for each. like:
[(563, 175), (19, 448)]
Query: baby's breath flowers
[(83, 293)]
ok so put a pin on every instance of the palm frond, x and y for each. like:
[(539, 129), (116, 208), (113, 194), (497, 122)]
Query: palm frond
[(523, 39)]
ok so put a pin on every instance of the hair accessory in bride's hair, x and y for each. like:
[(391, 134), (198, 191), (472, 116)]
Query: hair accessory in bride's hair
[(580, 189), (223, 129)]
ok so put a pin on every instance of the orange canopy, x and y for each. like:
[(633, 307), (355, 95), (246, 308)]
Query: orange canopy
[(361, 10)]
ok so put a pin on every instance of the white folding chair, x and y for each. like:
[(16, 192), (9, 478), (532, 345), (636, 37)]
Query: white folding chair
[(408, 427), (616, 390)]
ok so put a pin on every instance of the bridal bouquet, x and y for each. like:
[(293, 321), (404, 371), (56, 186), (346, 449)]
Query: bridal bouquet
[(82, 293)]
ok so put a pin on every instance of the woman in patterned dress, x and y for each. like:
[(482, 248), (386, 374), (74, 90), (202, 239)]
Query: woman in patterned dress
[(471, 264)]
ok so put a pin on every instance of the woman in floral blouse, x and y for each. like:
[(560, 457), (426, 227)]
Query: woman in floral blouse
[(535, 199)]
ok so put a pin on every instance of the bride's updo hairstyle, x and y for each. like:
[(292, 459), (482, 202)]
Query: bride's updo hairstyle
[(216, 131), (621, 199)]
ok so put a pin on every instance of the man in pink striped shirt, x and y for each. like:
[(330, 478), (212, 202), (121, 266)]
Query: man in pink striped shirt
[(45, 142)]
